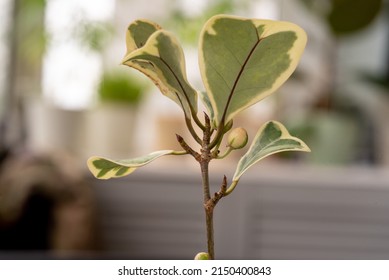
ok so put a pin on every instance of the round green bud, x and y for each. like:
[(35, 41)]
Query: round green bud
[(202, 256), (238, 138)]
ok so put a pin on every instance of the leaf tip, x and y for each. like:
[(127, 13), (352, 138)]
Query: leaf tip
[(91, 164)]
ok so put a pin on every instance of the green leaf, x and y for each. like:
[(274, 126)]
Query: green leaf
[(271, 138), (158, 55), (244, 60), (103, 168), (207, 104), (138, 33)]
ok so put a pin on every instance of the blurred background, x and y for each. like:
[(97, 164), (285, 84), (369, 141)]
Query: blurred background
[(64, 97)]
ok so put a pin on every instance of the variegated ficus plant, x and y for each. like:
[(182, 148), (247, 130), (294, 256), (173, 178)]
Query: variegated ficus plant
[(242, 61)]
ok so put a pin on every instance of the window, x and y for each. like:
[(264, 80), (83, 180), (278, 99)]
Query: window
[(70, 70)]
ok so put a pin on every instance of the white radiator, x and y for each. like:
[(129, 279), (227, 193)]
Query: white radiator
[(276, 212)]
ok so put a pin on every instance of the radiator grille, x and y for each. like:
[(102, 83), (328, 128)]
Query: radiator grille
[(267, 217)]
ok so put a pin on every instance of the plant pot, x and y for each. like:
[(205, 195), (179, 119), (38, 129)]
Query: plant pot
[(111, 131), (52, 129)]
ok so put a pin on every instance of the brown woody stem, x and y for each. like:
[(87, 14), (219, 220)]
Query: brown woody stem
[(204, 157), (209, 202), (188, 149)]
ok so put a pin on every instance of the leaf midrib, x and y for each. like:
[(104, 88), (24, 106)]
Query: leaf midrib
[(259, 40), (181, 86)]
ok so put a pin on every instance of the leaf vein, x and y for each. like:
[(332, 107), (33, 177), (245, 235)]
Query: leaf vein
[(221, 76), (240, 74), (179, 83)]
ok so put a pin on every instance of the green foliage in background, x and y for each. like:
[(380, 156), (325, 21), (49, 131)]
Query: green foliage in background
[(120, 87), (188, 25), (95, 35), (30, 30), (346, 16)]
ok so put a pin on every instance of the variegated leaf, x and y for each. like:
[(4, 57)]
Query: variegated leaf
[(207, 104), (158, 54), (244, 60), (271, 138), (104, 168), (138, 33)]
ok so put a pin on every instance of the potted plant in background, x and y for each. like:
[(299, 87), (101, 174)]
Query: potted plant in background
[(348, 106), (241, 62), (113, 120)]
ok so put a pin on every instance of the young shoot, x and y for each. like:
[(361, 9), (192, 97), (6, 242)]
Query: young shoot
[(242, 61)]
